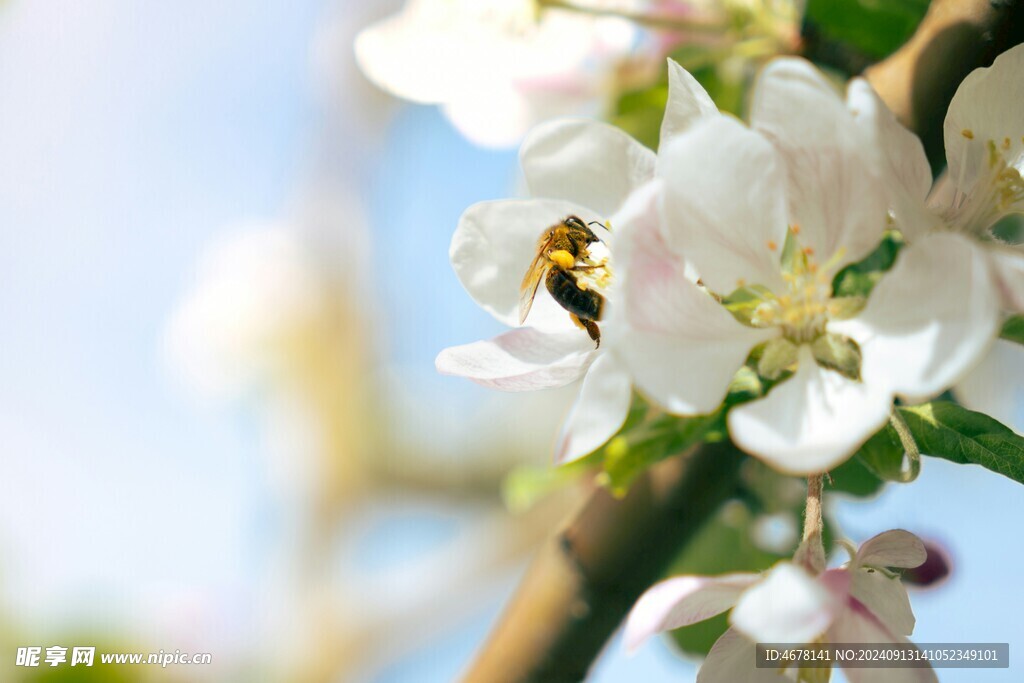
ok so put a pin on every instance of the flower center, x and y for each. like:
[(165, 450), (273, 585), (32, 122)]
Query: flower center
[(803, 309), (801, 312), (998, 191)]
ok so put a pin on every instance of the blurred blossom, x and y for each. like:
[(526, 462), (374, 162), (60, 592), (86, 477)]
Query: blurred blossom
[(254, 295), (498, 67), (935, 570)]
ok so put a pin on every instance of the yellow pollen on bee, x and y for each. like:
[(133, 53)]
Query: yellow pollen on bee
[(772, 246), (582, 284), (967, 133), (562, 259)]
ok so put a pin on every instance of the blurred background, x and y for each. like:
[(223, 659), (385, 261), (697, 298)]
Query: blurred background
[(223, 282)]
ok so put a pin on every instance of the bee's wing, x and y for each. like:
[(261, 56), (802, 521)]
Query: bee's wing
[(531, 281)]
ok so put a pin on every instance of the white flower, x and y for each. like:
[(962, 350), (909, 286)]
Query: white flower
[(984, 137), (861, 602), (498, 67), (572, 167), (771, 215)]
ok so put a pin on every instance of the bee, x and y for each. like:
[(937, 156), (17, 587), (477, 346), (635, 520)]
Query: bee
[(562, 255)]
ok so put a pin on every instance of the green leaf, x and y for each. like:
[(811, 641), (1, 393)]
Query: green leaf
[(627, 455), (883, 455), (858, 279), (874, 27), (639, 113), (949, 431), (855, 478), (1013, 329)]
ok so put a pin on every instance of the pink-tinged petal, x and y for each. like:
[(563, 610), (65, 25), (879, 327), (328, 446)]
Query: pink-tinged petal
[(589, 163), (985, 107), (929, 320), (724, 204), (812, 421), (885, 597), (894, 548), (787, 606), (1008, 269), (834, 194), (681, 346), (897, 154), (732, 659), (856, 624), (995, 386), (599, 411), (682, 601), (523, 359), (688, 103), (493, 247)]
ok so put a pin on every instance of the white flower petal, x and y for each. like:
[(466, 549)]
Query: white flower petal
[(412, 56), (987, 105), (682, 347), (599, 411), (724, 204), (995, 386), (732, 659), (885, 597), (523, 359), (590, 163), (834, 196), (857, 625), (493, 247), (1008, 269), (788, 606), (688, 103), (893, 548), (812, 421), (899, 156), (681, 601), (929, 319)]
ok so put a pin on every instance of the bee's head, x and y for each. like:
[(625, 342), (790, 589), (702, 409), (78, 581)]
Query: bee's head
[(576, 223)]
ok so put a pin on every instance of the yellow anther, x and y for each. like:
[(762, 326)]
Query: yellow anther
[(808, 251), (1006, 143), (967, 133), (741, 283), (795, 228), (562, 259), (772, 246)]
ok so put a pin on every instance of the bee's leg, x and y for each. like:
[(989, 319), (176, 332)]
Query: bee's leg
[(589, 325)]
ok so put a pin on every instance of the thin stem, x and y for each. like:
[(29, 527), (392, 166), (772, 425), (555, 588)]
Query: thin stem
[(811, 552), (654, 21), (910, 449), (812, 513)]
